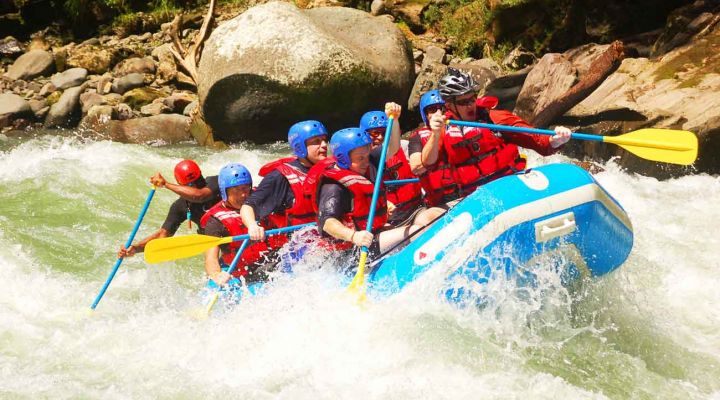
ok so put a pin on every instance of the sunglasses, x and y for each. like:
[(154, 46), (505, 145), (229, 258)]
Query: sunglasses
[(464, 103), (376, 132), (434, 108)]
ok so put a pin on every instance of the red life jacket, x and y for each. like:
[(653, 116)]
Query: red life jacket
[(301, 211), (408, 196), (230, 218), (359, 186), (478, 156), (438, 181)]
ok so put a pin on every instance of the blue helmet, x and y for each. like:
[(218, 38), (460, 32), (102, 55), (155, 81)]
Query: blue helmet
[(232, 175), (346, 140), (429, 98), (302, 131), (373, 120)]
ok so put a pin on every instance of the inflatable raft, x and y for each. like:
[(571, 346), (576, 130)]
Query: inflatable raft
[(508, 225)]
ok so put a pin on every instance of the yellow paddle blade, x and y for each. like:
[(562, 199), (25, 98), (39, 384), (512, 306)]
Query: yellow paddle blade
[(174, 248), (357, 286), (665, 145)]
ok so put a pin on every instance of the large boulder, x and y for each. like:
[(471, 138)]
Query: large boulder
[(678, 91), (276, 64), (554, 75)]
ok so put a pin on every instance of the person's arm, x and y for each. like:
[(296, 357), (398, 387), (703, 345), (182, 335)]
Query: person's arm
[(212, 256), (338, 230), (415, 155), (212, 267), (429, 154), (255, 231), (189, 193), (176, 215), (333, 203), (394, 144), (139, 247), (543, 144)]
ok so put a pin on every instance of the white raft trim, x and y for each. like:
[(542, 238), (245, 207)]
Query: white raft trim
[(524, 213)]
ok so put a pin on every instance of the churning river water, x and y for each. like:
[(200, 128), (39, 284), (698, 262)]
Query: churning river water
[(650, 330)]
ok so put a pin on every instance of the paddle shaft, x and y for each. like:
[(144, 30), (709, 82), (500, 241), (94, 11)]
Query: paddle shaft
[(271, 232), (127, 245), (230, 270), (401, 181), (358, 282), (378, 177), (520, 129)]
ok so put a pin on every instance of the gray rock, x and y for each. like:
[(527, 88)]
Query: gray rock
[(89, 100), (42, 113), (275, 64), (155, 108), (124, 111), (178, 101), (13, 104), (633, 97), (47, 89), (32, 64), (434, 54), (66, 111), (128, 82), (164, 128), (37, 105), (69, 78), (518, 58), (104, 84), (145, 65), (427, 79), (102, 112), (482, 72)]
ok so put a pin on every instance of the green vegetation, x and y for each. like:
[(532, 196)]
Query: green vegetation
[(465, 21)]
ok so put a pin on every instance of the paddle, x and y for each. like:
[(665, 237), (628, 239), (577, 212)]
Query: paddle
[(357, 286), (174, 248), (230, 270), (664, 145), (127, 245)]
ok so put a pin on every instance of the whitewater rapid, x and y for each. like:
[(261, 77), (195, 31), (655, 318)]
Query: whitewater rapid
[(649, 330)]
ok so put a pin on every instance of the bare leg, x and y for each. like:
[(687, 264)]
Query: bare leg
[(424, 217), (391, 237)]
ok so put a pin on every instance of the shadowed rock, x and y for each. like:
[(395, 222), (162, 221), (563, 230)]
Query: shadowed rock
[(276, 64)]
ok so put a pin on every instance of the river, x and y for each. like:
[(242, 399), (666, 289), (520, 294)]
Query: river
[(649, 330)]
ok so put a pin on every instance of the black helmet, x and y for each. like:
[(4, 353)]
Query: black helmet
[(456, 83)]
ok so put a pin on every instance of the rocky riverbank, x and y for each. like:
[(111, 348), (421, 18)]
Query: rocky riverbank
[(275, 63)]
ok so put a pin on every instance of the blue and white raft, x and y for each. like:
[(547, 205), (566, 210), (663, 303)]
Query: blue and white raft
[(510, 224)]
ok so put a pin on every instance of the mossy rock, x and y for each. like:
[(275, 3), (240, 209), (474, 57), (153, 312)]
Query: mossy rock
[(139, 97), (53, 97)]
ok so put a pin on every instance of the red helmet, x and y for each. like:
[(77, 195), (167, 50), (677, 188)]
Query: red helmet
[(187, 171)]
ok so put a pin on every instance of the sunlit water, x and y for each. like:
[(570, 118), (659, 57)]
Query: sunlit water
[(649, 330)]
